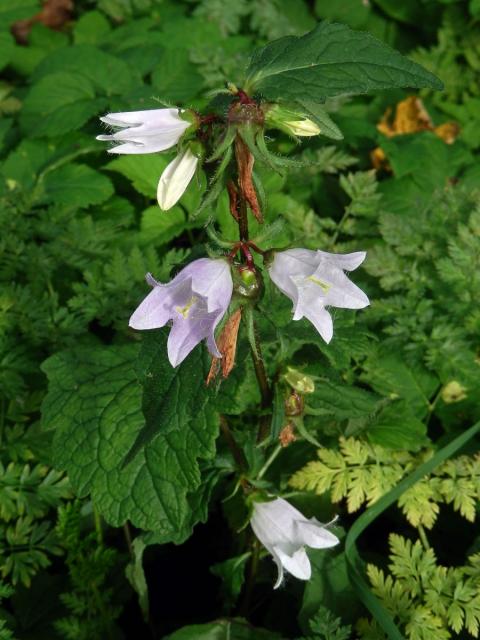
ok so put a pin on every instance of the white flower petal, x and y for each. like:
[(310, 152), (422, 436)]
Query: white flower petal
[(316, 279), (175, 179), (147, 131), (312, 534), (346, 261), (321, 320), (297, 564), (279, 565), (285, 532), (151, 117)]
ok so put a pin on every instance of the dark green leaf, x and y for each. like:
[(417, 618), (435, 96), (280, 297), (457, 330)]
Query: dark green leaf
[(77, 185), (223, 630), (331, 60), (137, 468), (59, 103)]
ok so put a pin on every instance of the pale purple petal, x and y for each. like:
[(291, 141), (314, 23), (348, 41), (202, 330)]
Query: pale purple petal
[(189, 329), (195, 314), (155, 310), (213, 280)]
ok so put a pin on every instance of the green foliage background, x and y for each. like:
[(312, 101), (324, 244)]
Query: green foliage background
[(401, 379)]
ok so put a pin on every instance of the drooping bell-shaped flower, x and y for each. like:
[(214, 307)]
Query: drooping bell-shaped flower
[(314, 280), (176, 178), (195, 301), (146, 131), (285, 532)]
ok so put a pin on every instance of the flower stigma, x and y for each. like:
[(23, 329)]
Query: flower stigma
[(184, 311), (323, 285)]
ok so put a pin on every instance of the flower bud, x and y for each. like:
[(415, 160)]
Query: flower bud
[(294, 404), (247, 282), (299, 381), (177, 176), (453, 392), (292, 122)]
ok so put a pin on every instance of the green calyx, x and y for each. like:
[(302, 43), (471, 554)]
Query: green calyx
[(247, 283)]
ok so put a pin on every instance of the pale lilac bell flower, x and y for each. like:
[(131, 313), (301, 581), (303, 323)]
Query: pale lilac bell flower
[(195, 301), (146, 131), (285, 532), (314, 280)]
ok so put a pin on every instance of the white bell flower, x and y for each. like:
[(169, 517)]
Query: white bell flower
[(176, 178), (285, 532), (145, 131), (314, 280)]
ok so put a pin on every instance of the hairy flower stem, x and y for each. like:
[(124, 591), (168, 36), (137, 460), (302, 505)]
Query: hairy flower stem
[(244, 608), (256, 352), (242, 219), (237, 452)]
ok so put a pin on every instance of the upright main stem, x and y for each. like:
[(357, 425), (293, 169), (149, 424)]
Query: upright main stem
[(256, 352)]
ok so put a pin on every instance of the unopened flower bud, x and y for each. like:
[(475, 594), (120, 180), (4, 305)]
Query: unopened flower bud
[(248, 282), (292, 122), (453, 392), (299, 381), (294, 404)]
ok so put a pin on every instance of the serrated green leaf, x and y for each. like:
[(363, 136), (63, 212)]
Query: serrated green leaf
[(144, 469), (108, 74), (175, 78), (331, 60), (59, 103), (395, 427), (143, 171), (10, 12), (341, 400), (90, 28), (7, 47), (77, 185), (388, 374), (161, 226)]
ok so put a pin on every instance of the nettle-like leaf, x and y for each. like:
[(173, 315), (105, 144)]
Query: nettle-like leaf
[(331, 60), (142, 467)]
